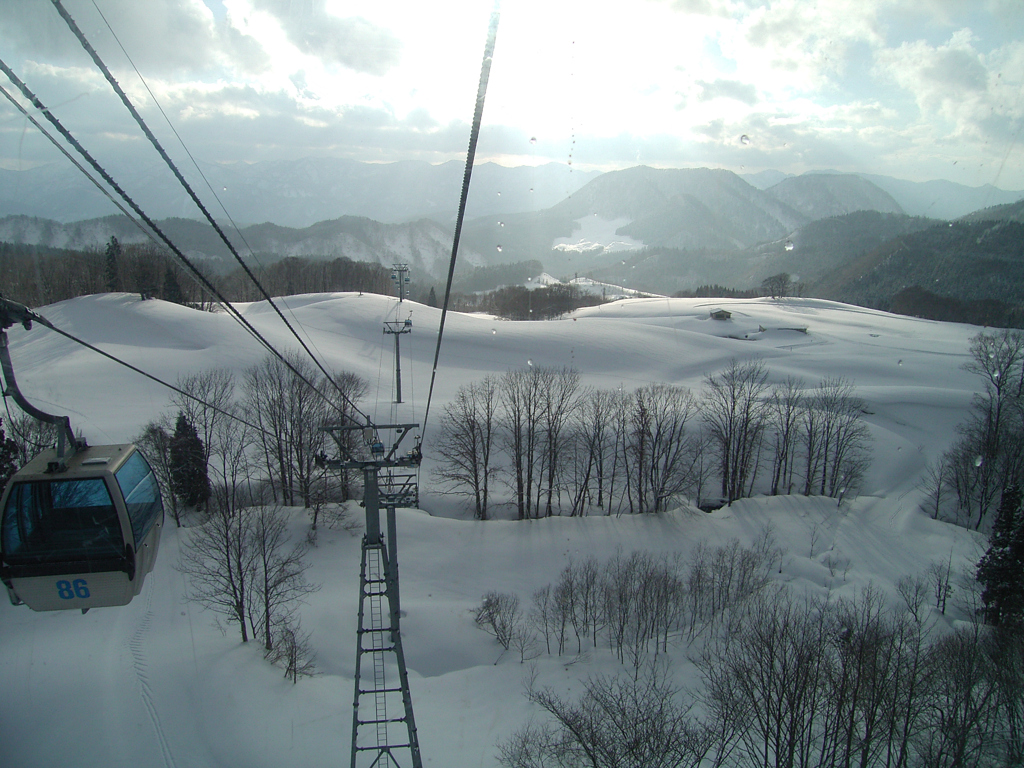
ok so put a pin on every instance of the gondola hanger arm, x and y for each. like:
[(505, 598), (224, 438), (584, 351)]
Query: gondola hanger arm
[(67, 444)]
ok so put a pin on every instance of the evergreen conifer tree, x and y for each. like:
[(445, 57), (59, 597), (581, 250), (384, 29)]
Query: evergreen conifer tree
[(190, 480), (172, 289), (8, 457), (1001, 570), (112, 253), (432, 298)]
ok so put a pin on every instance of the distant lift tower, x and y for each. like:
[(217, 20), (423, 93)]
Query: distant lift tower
[(379, 706), (399, 276)]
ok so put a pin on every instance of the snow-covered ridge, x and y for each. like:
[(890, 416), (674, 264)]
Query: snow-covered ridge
[(156, 683)]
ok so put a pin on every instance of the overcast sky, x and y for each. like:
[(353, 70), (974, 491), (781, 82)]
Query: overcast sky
[(918, 89)]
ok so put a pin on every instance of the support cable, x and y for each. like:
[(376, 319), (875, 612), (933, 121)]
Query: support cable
[(481, 93), (174, 130), (44, 322), (42, 129), (77, 164), (188, 188), (195, 163), (35, 101)]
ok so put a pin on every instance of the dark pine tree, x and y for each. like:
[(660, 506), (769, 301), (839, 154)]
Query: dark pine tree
[(432, 298), (172, 289), (8, 457), (1001, 570), (113, 253), (190, 480)]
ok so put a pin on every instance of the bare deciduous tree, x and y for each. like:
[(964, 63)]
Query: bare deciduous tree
[(278, 581), (208, 396), (736, 412), (559, 390), (777, 286), (293, 650), (616, 723), (991, 447), (657, 461), (520, 419), (218, 560), (468, 431), (844, 436), (289, 412), (785, 407), (498, 614)]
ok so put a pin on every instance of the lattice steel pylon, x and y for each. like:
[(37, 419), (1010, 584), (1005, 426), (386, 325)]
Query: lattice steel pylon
[(381, 705)]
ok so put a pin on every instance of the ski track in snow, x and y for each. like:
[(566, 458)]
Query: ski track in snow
[(137, 645)]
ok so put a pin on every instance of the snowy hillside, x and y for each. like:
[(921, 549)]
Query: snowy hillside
[(158, 683)]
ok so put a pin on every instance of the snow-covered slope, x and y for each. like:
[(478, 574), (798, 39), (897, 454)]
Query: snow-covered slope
[(157, 683)]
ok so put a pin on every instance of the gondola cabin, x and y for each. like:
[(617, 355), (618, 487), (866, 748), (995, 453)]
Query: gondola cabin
[(84, 537)]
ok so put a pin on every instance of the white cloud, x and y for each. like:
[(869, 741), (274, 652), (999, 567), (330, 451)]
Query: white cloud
[(875, 85), (351, 41), (951, 84)]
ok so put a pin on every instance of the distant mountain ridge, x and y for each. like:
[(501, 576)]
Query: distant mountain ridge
[(302, 192), (966, 260), (653, 229), (424, 245), (295, 193), (820, 195)]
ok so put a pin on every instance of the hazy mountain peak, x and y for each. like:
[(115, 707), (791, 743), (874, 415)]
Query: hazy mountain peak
[(820, 195)]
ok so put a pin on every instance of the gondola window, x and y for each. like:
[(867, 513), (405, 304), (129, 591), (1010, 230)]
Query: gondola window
[(141, 495), (60, 520)]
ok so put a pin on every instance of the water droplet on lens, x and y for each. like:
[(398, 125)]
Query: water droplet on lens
[(899, 363), (494, 331), (977, 461), (501, 223), (789, 245), (529, 362), (533, 139), (531, 189), (744, 139), (498, 247), (499, 194)]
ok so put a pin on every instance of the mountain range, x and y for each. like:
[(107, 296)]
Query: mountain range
[(657, 230), (294, 194)]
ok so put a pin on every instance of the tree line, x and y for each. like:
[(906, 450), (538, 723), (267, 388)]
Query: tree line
[(259, 439), (635, 605), (965, 484), (558, 447), (36, 276), (233, 458), (785, 681)]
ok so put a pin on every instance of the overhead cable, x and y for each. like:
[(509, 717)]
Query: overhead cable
[(44, 322), (188, 188), (481, 93), (37, 103), (77, 164)]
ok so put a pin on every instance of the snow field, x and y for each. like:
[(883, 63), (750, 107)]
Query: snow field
[(158, 683)]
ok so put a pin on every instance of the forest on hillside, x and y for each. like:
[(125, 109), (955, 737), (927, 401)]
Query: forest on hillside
[(38, 275)]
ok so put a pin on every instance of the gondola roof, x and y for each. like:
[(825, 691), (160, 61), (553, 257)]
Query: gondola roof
[(91, 460)]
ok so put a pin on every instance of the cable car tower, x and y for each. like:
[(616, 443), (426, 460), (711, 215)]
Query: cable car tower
[(380, 704), (400, 277)]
